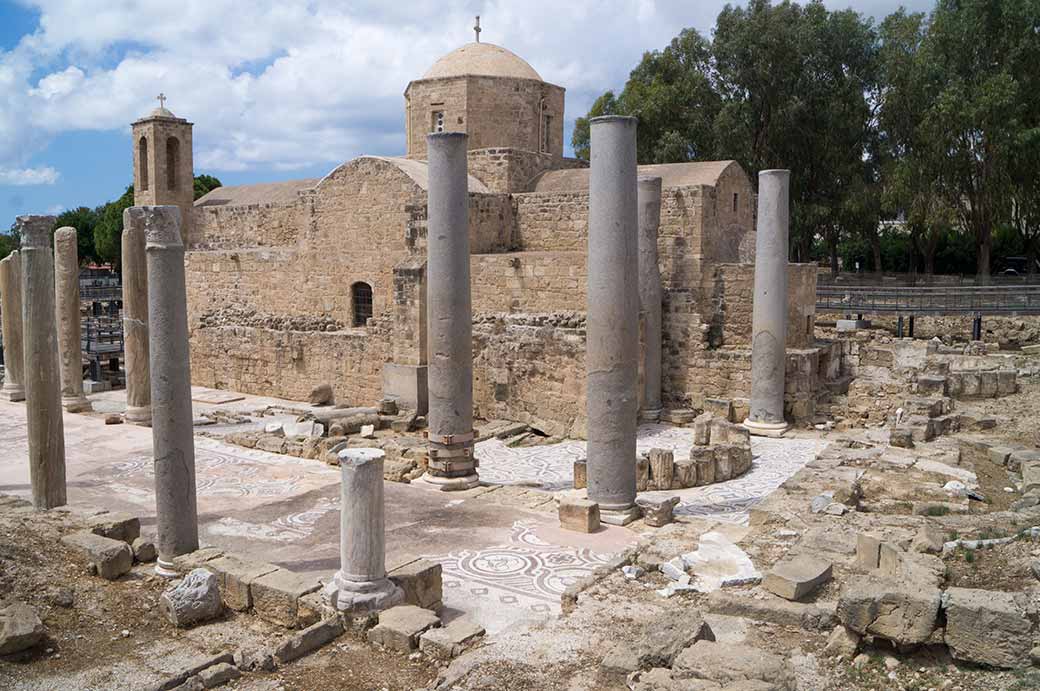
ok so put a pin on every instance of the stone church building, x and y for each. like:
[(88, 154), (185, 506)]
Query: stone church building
[(302, 282)]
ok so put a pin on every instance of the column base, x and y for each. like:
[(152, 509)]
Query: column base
[(139, 415), (165, 569), (13, 393), (361, 597), (451, 484), (76, 404), (619, 516), (766, 429), (651, 415)]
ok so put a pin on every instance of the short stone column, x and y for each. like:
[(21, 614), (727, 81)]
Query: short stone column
[(451, 465), (361, 584), (135, 322), (649, 204), (66, 296), (612, 341), (176, 514), (42, 386), (769, 318), (11, 315)]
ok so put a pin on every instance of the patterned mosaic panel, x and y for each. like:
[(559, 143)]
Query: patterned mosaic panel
[(527, 573), (552, 468)]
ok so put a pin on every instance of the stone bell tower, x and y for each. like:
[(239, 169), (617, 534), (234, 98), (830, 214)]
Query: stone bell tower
[(163, 167)]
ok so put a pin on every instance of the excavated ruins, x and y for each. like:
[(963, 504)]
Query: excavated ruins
[(484, 417)]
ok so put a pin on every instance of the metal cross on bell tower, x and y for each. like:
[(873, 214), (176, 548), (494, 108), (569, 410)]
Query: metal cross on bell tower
[(162, 99), (476, 28)]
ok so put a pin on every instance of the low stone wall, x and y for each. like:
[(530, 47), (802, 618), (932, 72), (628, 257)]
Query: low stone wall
[(528, 281)]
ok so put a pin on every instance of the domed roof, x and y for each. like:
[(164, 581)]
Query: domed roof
[(161, 112), (482, 59)]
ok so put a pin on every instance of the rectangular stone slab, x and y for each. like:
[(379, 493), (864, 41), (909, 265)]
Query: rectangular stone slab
[(796, 578)]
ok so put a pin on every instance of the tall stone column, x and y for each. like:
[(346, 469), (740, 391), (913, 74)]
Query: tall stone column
[(11, 314), (135, 322), (612, 341), (361, 584), (42, 387), (66, 296), (451, 464), (173, 445), (649, 203), (769, 318)]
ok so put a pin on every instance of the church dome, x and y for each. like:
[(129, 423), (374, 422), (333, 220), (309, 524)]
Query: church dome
[(481, 59)]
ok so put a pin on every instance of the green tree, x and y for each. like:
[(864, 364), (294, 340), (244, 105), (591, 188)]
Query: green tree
[(8, 243), (204, 184), (606, 104), (109, 231), (84, 220)]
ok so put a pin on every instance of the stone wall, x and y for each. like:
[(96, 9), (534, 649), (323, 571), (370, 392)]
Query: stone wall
[(529, 281), (512, 170)]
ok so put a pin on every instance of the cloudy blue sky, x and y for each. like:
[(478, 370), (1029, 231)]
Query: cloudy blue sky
[(277, 90)]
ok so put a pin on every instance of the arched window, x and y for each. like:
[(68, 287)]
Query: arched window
[(142, 163), (362, 297), (173, 159)]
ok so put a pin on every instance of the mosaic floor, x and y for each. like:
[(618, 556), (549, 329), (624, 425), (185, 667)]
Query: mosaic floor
[(552, 468)]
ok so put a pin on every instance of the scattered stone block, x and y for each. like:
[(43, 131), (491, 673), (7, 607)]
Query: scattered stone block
[(809, 616), (702, 429), (842, 643), (308, 640), (999, 454), (304, 428), (899, 611), (684, 474), (196, 599), (704, 460), (678, 416), (452, 640), (579, 515), (113, 419), (400, 627), (1007, 382), (581, 477), (642, 473), (234, 576), (731, 460), (732, 663), (218, 675), (987, 627), (928, 540), (796, 578), (657, 513), (901, 437), (720, 407), (661, 468), (421, 581), (193, 560), (144, 550), (20, 628), (659, 644), (725, 432), (276, 596), (931, 385), (368, 431), (321, 395), (271, 443), (111, 558), (116, 526)]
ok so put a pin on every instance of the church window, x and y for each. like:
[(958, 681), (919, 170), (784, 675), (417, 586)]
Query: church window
[(362, 296), (736, 201), (546, 129), (438, 121), (173, 156), (142, 162)]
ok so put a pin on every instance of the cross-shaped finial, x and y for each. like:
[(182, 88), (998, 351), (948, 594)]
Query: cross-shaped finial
[(476, 28), (162, 99)]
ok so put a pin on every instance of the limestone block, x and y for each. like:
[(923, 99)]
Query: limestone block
[(308, 640), (704, 459), (1030, 470), (421, 581), (321, 395), (684, 474), (234, 576), (720, 407), (218, 675), (275, 596), (20, 628), (117, 526), (929, 540), (901, 437), (642, 474), (723, 463), (723, 432), (659, 644), (999, 455), (900, 611), (400, 627), (738, 457), (196, 599), (987, 627), (144, 550), (970, 384), (111, 558), (741, 409), (797, 578), (452, 640), (194, 560), (702, 429), (581, 480), (657, 513), (1007, 382), (931, 385), (1018, 458), (988, 384), (732, 663), (271, 444), (579, 515), (661, 468), (842, 643)]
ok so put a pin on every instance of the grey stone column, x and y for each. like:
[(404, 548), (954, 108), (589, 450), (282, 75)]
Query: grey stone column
[(66, 297), (173, 445), (451, 464), (769, 320), (11, 314), (42, 387), (361, 584), (612, 342), (135, 322), (649, 204)]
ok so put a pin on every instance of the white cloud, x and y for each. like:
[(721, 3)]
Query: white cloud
[(28, 176), (278, 86)]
